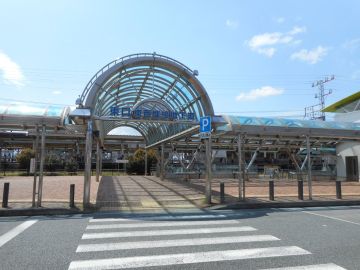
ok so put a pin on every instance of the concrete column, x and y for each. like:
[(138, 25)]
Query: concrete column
[(87, 172), (162, 167), (41, 168), (35, 149), (146, 163), (101, 161), (309, 166), (98, 164), (240, 175), (208, 152)]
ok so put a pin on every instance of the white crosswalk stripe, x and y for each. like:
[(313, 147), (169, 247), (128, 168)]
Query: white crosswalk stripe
[(225, 234), (329, 266), (162, 224), (169, 217), (188, 258), (176, 242), (166, 232), (180, 217)]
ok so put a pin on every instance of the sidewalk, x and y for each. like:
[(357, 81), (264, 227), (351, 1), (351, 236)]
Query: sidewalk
[(56, 190), (135, 193), (150, 194)]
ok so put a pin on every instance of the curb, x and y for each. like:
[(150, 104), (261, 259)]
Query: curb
[(42, 212), (284, 205), (233, 206)]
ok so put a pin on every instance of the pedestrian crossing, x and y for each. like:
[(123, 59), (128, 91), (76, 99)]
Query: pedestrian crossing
[(180, 240)]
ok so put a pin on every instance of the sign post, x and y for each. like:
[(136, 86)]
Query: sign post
[(205, 127), (205, 133)]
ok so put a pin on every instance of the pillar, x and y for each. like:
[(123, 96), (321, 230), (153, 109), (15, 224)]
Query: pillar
[(146, 163), (162, 169), (208, 152), (42, 161), (98, 160), (240, 175), (35, 149), (101, 161), (309, 166), (87, 172)]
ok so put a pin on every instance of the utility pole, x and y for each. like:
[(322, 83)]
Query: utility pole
[(315, 112)]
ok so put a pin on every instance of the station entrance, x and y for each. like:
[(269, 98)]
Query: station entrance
[(156, 95), (164, 101)]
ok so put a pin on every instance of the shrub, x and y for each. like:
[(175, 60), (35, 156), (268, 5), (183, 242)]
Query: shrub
[(24, 158), (137, 161), (52, 163), (71, 165)]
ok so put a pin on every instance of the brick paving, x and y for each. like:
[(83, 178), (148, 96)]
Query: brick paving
[(134, 193), (286, 190), (145, 193), (55, 190)]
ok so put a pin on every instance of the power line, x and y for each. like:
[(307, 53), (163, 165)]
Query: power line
[(316, 111)]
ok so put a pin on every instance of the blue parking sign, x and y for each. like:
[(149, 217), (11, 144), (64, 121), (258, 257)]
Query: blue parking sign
[(205, 124)]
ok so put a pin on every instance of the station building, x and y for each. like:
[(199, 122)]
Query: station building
[(165, 102), (348, 153)]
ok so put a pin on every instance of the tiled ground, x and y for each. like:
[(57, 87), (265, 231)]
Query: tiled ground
[(133, 193)]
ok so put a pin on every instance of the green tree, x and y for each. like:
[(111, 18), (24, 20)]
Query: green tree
[(52, 163), (71, 165), (137, 161), (24, 158)]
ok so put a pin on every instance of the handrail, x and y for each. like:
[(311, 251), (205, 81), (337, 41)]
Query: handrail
[(116, 61)]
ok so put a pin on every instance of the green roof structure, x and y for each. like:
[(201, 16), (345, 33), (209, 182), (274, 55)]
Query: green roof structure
[(348, 104)]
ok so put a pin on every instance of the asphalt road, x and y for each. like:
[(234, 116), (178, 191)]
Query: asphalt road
[(291, 239)]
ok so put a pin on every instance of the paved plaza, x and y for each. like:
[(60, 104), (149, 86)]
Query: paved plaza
[(136, 193)]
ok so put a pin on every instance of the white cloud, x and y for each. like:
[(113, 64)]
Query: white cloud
[(11, 71), (297, 30), (260, 43), (124, 131), (267, 39), (269, 52), (310, 56), (262, 92), (232, 24), (56, 92)]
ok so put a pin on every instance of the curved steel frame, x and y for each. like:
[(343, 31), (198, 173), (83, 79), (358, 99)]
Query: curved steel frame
[(143, 79)]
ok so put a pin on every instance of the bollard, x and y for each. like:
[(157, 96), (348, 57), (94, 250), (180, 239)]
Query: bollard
[(271, 190), (300, 189), (72, 196), (5, 195), (338, 190), (222, 192)]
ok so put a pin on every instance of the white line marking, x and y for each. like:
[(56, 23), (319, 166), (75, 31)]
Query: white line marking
[(338, 219), (155, 218), (175, 243), (329, 266), (6, 237), (166, 232), (188, 258), (162, 224)]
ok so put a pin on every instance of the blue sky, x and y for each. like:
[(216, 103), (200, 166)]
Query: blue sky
[(254, 57)]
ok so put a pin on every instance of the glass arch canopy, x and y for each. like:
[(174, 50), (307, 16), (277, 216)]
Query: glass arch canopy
[(154, 94)]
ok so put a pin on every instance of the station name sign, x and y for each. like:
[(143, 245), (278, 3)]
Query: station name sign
[(129, 113)]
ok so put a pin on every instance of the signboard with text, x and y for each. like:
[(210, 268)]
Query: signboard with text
[(205, 126), (129, 113)]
